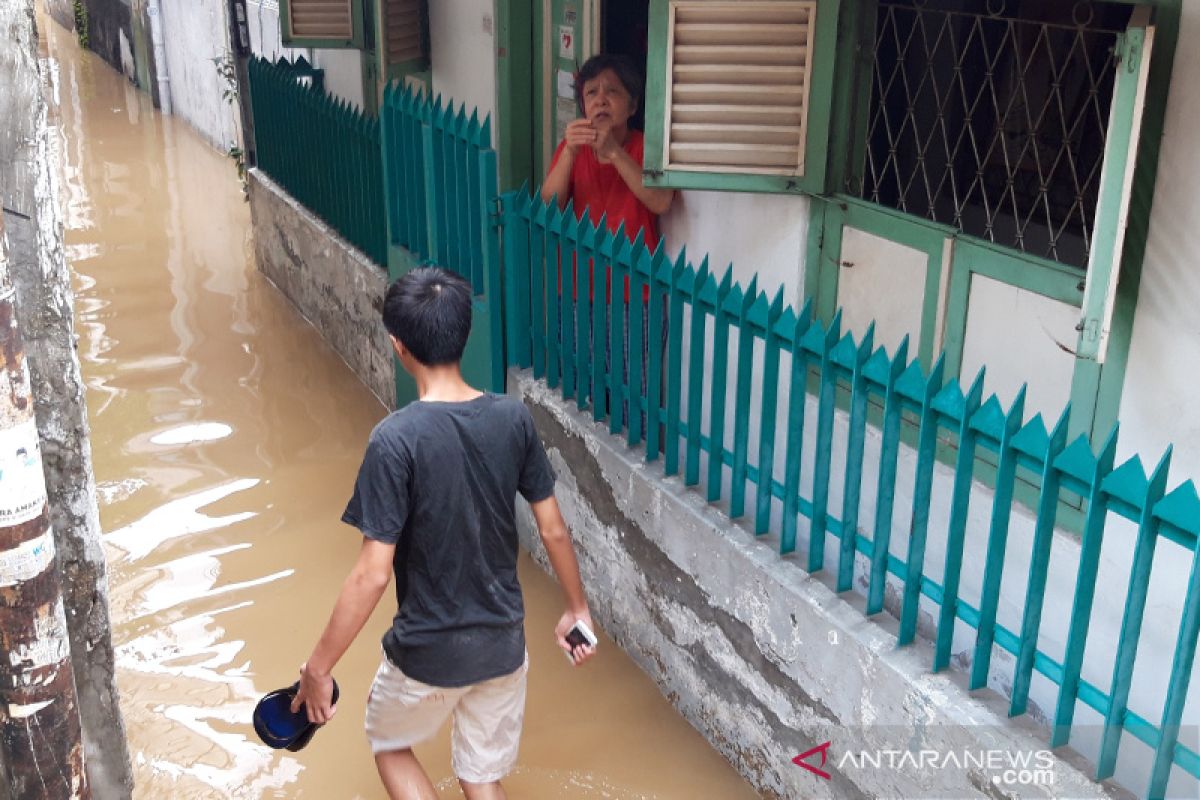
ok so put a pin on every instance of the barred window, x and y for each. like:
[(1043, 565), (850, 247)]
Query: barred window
[(991, 116)]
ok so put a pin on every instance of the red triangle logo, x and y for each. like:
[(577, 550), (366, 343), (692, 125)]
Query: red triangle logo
[(800, 760)]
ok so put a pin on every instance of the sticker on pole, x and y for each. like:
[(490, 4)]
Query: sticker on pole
[(27, 560), (22, 484)]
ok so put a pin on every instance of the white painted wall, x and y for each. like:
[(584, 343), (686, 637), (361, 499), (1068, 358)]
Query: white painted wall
[(195, 33), (1159, 405), (759, 234), (463, 53)]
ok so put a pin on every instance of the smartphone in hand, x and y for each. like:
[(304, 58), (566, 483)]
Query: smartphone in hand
[(579, 635)]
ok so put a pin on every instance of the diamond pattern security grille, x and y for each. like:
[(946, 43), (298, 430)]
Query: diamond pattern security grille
[(990, 116)]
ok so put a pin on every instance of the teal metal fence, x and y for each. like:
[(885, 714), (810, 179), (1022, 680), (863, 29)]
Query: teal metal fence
[(559, 328), (321, 150)]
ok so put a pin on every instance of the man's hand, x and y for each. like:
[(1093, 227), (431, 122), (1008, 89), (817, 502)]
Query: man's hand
[(583, 652), (580, 133), (316, 695)]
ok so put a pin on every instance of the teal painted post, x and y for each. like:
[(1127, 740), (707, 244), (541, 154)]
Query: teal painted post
[(824, 446), (537, 266), (657, 273), (695, 399), (517, 268), (554, 296), (741, 413), (490, 249), (617, 362), (585, 235), (1085, 589), (430, 145), (885, 492), (600, 309), (993, 571), (797, 396), (1039, 565), (676, 296), (852, 485), (728, 294), (963, 409), (924, 391), (1152, 491), (390, 160), (630, 258), (1177, 684), (569, 296), (772, 340)]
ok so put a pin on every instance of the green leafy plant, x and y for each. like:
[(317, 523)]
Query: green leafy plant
[(81, 23), (227, 72)]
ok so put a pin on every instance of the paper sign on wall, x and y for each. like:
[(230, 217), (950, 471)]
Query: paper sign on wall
[(566, 85), (566, 41)]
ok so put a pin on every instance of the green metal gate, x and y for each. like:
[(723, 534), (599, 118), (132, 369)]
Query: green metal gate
[(440, 190)]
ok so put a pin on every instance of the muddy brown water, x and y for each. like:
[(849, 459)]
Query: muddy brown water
[(226, 436)]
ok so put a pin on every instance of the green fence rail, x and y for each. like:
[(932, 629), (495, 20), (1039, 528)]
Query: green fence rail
[(565, 344), (321, 150)]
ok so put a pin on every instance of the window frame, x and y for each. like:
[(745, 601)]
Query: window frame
[(1096, 383), (417, 68), (821, 76), (356, 41)]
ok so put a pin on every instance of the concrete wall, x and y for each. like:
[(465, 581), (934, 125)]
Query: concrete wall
[(110, 33), (764, 660), (463, 53), (335, 287), (1158, 403), (195, 33), (29, 195), (62, 11)]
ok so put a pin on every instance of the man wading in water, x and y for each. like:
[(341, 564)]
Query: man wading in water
[(434, 501)]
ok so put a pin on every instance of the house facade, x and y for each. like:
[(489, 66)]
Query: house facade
[(1000, 186)]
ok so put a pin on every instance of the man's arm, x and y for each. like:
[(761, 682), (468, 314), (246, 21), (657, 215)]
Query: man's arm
[(360, 594), (557, 540)]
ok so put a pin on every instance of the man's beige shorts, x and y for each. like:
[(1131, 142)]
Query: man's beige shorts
[(402, 712)]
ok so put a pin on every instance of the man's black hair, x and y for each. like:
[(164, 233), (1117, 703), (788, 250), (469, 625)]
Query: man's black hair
[(624, 69), (429, 311)]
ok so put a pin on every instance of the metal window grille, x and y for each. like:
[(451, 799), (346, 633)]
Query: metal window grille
[(991, 116)]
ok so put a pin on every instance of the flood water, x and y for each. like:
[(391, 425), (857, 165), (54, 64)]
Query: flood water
[(226, 437)]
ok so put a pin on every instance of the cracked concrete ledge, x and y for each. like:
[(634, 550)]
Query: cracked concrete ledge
[(333, 285), (763, 659)]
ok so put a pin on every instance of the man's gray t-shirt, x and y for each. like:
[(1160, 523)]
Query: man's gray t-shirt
[(439, 480)]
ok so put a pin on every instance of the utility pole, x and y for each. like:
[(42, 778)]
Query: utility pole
[(40, 736)]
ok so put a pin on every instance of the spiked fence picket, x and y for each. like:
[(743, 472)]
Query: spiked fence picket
[(322, 151), (569, 322), (441, 179)]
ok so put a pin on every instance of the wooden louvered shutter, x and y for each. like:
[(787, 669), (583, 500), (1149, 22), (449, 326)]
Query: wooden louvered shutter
[(403, 41), (738, 85), (320, 23)]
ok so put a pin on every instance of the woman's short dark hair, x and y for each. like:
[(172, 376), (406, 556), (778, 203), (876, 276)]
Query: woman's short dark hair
[(429, 311), (621, 66)]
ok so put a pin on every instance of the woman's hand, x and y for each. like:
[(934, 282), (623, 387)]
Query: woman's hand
[(605, 145), (580, 133)]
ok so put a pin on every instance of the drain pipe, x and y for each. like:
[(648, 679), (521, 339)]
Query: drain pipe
[(160, 56)]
